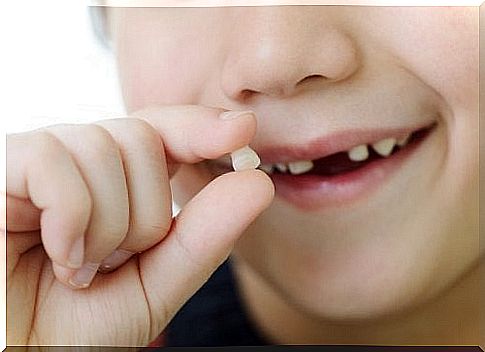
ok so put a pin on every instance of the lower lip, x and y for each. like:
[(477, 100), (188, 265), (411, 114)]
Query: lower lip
[(313, 192)]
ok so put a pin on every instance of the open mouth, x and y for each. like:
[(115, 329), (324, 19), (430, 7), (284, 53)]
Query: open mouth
[(337, 169), (355, 158), (343, 177)]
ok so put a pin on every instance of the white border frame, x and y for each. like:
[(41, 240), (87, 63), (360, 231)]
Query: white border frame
[(210, 3)]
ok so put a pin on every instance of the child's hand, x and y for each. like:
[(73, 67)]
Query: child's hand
[(77, 193)]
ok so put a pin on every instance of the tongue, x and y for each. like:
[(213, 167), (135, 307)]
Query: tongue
[(337, 164)]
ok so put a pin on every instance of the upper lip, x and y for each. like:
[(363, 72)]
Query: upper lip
[(323, 122), (329, 144)]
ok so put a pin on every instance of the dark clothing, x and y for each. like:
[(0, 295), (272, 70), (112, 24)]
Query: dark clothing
[(214, 316)]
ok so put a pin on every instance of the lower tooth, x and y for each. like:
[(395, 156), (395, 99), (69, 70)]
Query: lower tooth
[(281, 167), (267, 168), (300, 167), (384, 147), (403, 141), (359, 153)]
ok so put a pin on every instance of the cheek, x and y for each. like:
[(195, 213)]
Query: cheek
[(165, 75), (170, 64), (440, 45)]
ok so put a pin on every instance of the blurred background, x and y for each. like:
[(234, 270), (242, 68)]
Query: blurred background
[(55, 68)]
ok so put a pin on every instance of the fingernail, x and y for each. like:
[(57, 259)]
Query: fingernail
[(76, 255), (245, 159), (84, 276), (115, 259), (230, 115)]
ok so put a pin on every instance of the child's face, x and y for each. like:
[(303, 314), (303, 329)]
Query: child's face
[(322, 80)]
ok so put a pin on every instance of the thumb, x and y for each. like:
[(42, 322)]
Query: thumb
[(201, 238)]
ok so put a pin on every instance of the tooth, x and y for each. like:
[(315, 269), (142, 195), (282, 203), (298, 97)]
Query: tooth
[(268, 168), (300, 167), (244, 159), (281, 167), (358, 153), (403, 141), (384, 147)]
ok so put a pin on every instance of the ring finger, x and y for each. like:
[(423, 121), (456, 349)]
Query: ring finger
[(148, 187), (99, 160)]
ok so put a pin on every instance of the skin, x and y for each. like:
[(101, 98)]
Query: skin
[(400, 266), (372, 262), (66, 182)]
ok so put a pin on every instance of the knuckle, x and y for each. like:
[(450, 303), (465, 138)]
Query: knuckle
[(99, 142), (77, 207), (111, 228), (141, 128), (100, 150), (82, 204), (107, 236), (145, 135), (49, 150), (78, 200), (114, 233), (134, 135), (146, 234), (46, 144)]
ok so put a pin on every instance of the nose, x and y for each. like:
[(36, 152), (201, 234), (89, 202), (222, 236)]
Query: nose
[(277, 51)]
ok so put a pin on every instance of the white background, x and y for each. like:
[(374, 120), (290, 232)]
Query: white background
[(55, 70), (52, 70)]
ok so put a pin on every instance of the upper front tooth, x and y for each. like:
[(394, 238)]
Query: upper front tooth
[(281, 167), (300, 167), (384, 147), (403, 141), (358, 153)]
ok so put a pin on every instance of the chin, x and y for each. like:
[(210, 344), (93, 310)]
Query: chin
[(339, 274)]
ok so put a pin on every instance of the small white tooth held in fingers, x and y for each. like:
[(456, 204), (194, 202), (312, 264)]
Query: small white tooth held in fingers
[(403, 141), (245, 159), (384, 147), (300, 167), (281, 167), (268, 168), (358, 153)]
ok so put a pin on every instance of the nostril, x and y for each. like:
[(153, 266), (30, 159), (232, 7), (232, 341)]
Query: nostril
[(279, 89), (311, 78), (245, 94)]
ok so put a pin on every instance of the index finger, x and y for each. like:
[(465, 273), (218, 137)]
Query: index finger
[(192, 133)]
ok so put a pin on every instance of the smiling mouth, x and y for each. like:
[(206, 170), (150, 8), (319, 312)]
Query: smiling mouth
[(342, 178), (338, 169), (355, 158)]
